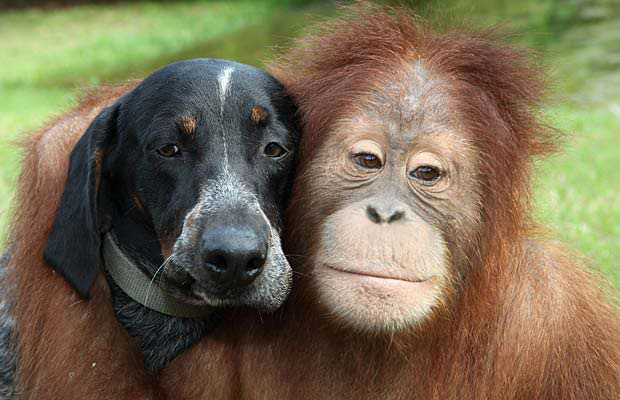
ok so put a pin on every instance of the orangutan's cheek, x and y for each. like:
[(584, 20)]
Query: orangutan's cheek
[(380, 277)]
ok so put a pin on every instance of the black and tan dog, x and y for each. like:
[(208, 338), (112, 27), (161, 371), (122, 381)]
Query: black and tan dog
[(175, 192)]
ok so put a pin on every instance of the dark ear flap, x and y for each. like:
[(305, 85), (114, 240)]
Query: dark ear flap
[(73, 247)]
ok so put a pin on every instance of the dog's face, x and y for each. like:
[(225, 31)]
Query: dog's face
[(201, 156)]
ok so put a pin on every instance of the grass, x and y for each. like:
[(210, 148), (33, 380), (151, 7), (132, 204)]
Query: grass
[(578, 190), (53, 55)]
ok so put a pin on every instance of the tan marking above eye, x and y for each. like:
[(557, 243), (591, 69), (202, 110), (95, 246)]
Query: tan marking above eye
[(187, 123), (259, 115), (138, 203)]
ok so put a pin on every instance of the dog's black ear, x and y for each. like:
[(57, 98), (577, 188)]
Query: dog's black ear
[(73, 247)]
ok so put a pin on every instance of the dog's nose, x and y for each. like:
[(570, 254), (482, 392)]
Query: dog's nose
[(234, 256)]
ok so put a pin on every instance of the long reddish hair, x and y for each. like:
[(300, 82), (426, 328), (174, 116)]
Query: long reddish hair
[(514, 302), (67, 347), (496, 87)]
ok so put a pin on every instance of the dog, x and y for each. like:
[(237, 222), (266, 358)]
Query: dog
[(173, 200)]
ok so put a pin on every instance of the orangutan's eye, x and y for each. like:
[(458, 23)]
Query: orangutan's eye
[(426, 174), (368, 161), (274, 150), (169, 150)]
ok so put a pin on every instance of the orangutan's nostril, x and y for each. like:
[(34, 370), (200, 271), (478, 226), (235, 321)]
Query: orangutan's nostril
[(396, 216), (373, 215)]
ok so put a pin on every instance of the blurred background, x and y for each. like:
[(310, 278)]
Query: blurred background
[(51, 51)]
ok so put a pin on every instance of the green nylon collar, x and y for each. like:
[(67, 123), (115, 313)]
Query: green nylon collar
[(126, 274)]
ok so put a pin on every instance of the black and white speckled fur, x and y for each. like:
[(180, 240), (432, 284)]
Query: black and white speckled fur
[(160, 337), (221, 175), (7, 346)]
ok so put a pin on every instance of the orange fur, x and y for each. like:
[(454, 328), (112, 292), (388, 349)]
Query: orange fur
[(529, 322), (68, 348)]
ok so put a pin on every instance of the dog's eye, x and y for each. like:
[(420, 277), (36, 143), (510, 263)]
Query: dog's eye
[(274, 150), (169, 150)]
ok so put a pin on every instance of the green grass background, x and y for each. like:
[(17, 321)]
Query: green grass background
[(48, 57)]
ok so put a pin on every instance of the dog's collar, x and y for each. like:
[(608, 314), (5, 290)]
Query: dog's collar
[(126, 274)]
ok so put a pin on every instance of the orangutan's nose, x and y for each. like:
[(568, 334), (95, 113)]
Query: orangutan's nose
[(385, 214)]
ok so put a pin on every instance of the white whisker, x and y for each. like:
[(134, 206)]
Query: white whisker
[(163, 265)]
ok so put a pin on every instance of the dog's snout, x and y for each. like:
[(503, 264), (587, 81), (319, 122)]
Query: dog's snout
[(234, 256)]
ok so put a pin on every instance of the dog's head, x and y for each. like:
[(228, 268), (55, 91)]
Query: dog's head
[(192, 169)]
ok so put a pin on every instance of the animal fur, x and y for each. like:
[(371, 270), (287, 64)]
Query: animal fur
[(528, 319), (8, 351), (80, 339), (99, 348), (530, 322)]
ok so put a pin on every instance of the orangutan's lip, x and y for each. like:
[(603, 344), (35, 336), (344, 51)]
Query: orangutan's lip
[(377, 276)]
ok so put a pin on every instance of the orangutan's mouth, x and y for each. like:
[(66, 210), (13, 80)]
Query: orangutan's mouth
[(374, 274)]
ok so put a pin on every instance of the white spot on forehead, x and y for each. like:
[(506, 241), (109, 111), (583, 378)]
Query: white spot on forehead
[(223, 79)]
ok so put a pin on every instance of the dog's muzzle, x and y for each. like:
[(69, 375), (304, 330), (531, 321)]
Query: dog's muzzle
[(231, 250)]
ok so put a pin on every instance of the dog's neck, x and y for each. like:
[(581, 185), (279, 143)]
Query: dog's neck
[(159, 337)]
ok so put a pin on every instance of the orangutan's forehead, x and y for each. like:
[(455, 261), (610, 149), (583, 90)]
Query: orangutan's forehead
[(415, 90), (414, 98)]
